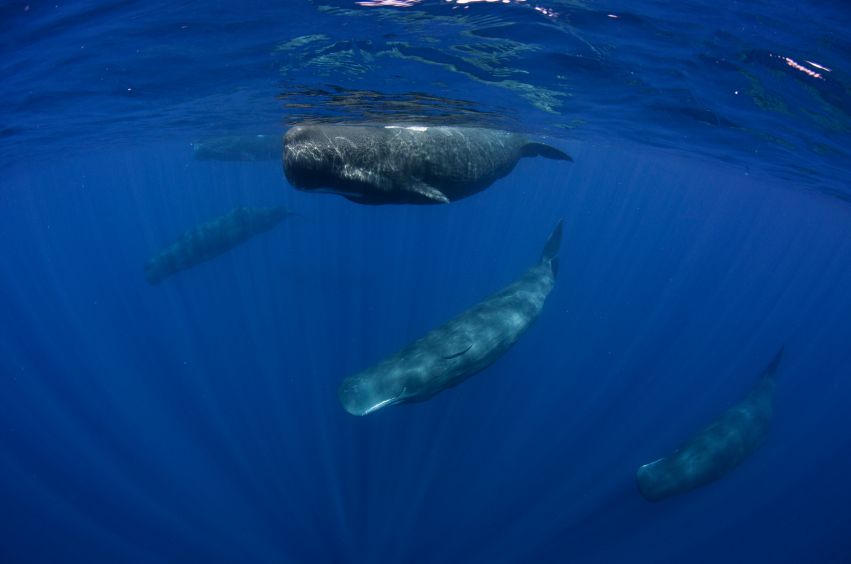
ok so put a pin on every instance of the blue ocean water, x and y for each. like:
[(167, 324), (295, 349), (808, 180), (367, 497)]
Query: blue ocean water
[(707, 223)]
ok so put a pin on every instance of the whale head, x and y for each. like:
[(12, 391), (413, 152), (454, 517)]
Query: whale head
[(337, 159), (307, 162), (320, 158), (371, 390)]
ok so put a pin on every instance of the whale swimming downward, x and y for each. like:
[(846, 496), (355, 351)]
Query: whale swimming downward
[(458, 349), (717, 448), (404, 164)]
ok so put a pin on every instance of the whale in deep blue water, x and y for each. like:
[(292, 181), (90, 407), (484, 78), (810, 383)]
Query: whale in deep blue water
[(239, 148), (716, 449), (211, 239), (456, 350), (395, 164)]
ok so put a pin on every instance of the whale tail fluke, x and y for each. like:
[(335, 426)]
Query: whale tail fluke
[(771, 368), (533, 149), (552, 246)]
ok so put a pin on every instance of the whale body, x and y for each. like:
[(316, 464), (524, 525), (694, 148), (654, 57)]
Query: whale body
[(458, 349), (395, 164), (238, 148), (211, 239), (716, 449)]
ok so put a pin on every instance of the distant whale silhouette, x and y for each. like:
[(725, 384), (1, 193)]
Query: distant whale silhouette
[(718, 448), (212, 239), (239, 148), (404, 164), (458, 349)]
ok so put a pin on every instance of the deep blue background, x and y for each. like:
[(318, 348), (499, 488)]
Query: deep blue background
[(197, 420)]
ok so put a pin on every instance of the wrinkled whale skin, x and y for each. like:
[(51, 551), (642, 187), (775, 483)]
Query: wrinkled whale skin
[(403, 164)]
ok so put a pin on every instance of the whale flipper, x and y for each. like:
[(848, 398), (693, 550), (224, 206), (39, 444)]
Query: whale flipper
[(429, 192), (533, 149)]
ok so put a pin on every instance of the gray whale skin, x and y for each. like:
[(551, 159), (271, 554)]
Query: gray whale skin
[(211, 239), (718, 448), (458, 349), (238, 148), (410, 164)]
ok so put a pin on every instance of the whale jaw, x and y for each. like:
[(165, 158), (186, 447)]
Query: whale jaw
[(357, 409), (379, 405), (359, 397)]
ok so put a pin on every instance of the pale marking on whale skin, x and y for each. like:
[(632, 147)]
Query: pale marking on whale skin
[(388, 401), (409, 127)]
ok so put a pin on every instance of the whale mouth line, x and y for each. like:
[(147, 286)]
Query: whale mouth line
[(649, 464), (384, 403), (325, 190), (378, 406)]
